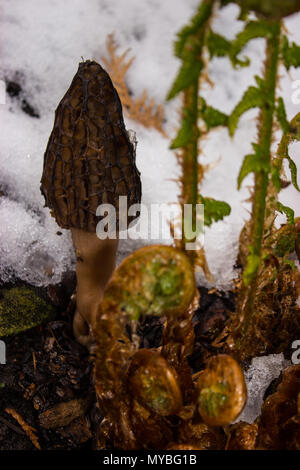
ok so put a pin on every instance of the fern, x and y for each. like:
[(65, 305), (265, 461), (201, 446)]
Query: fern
[(142, 108), (261, 96), (217, 45), (260, 243), (188, 74), (290, 214), (253, 163), (252, 30), (254, 97), (185, 133), (252, 265), (188, 48), (266, 100), (185, 36), (212, 117), (291, 135), (281, 116), (293, 170), (214, 210), (290, 53)]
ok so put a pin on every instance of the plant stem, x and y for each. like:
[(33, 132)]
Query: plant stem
[(179, 335), (190, 165), (266, 119), (191, 175)]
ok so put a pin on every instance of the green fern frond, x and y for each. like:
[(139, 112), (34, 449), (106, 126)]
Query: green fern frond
[(254, 97), (217, 45), (252, 30), (186, 131), (290, 214), (292, 135), (211, 116), (290, 53), (253, 163), (214, 210), (281, 116), (188, 74), (293, 170), (188, 48), (181, 49)]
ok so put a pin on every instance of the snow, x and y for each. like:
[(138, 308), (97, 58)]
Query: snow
[(42, 43), (262, 371)]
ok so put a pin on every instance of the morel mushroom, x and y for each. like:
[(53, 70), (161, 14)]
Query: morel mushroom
[(89, 161)]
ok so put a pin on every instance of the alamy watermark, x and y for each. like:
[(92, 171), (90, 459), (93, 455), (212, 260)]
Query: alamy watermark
[(152, 222), (2, 352), (295, 359)]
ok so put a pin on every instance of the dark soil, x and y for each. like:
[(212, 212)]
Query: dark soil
[(46, 367)]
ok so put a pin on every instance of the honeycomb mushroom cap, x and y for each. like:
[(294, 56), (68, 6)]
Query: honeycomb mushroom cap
[(89, 159)]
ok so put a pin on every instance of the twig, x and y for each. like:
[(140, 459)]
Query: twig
[(12, 426), (29, 430), (34, 362)]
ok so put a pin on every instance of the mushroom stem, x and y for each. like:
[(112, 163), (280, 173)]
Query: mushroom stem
[(96, 261)]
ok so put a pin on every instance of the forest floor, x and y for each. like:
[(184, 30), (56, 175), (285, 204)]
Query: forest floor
[(47, 396)]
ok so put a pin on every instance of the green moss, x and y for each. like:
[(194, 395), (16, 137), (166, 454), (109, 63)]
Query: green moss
[(22, 308)]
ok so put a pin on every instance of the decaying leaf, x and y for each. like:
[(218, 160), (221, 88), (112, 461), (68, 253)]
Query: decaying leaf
[(78, 431), (279, 426), (63, 414), (201, 436), (242, 436), (139, 109)]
